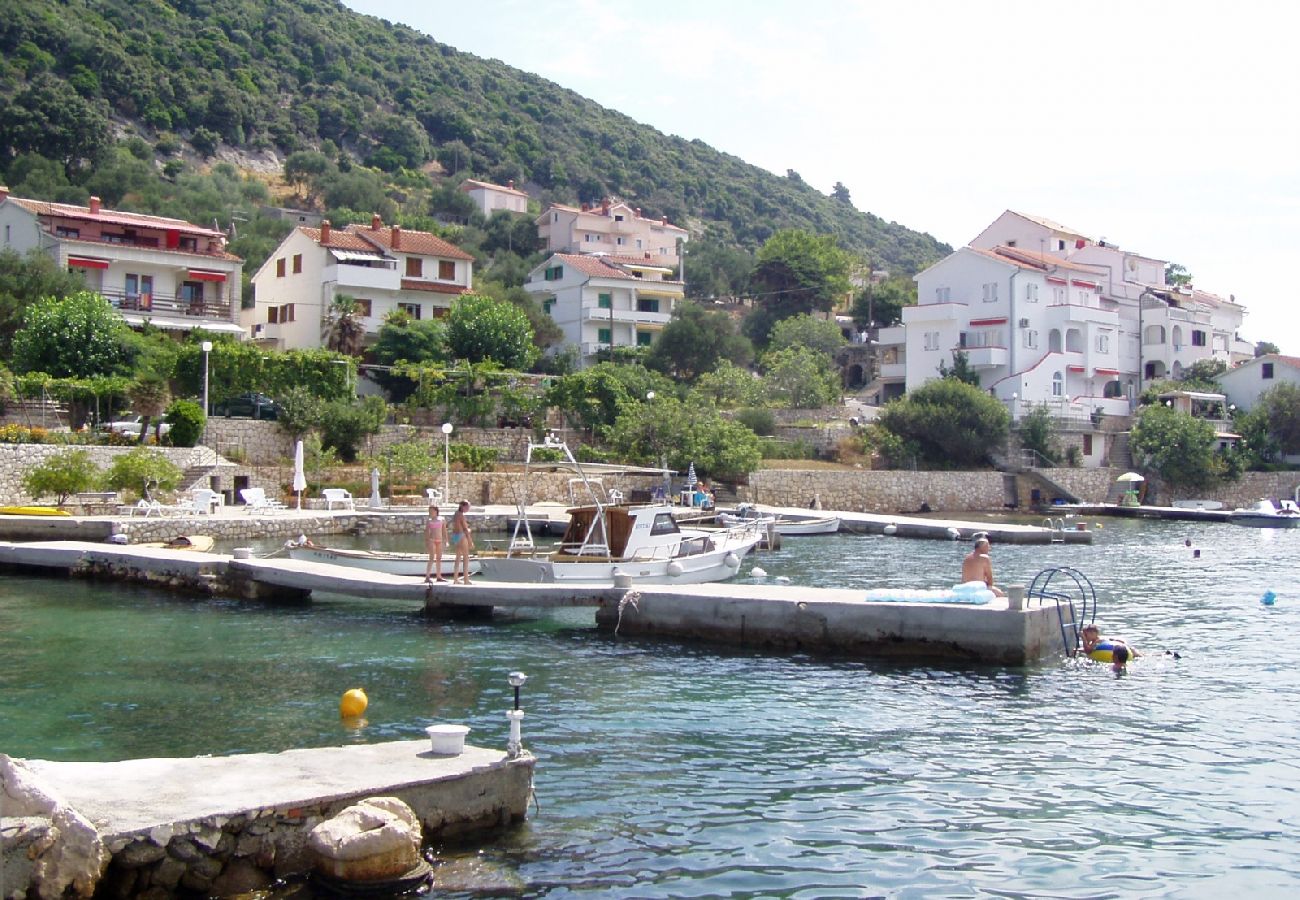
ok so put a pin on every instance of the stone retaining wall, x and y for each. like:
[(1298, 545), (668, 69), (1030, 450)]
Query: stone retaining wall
[(869, 490)]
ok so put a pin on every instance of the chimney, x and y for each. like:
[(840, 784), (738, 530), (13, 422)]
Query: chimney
[(638, 212), (511, 184), (4, 193), (397, 237), (604, 207), (95, 205), (663, 220), (376, 222), (584, 206), (325, 231)]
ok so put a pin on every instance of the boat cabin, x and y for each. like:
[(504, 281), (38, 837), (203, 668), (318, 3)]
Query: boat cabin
[(618, 531)]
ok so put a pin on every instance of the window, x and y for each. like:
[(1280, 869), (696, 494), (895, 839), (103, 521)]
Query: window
[(620, 241), (1058, 295), (62, 231), (991, 292), (553, 273), (548, 305), (942, 295), (279, 268), (644, 338), (446, 270), (286, 313), (1198, 338), (411, 309), (297, 264), (1060, 245), (1031, 293), (932, 340), (1087, 445), (1058, 385), (590, 238), (190, 244), (1103, 343), (1266, 371), (1011, 243), (555, 217), (414, 267), (192, 292), (279, 314), (139, 285), (273, 314), (364, 308), (618, 217), (647, 304), (605, 301), (1029, 337), (638, 243), (605, 336)]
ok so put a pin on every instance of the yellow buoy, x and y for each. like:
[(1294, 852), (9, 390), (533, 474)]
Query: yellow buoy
[(354, 703)]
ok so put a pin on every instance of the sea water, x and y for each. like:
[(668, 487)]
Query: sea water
[(682, 770)]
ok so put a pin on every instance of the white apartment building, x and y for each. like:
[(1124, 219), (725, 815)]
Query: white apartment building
[(384, 268), (613, 228), (601, 302), (491, 197), (173, 274)]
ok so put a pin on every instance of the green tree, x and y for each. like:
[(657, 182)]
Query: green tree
[(411, 461), (797, 272), (62, 475), (1280, 406), (300, 412), (594, 398), (1203, 375), (696, 341), (727, 387), (1180, 447), (78, 336), (344, 331), (883, 304), (679, 435), (1037, 431), (1263, 348), (187, 421), (149, 398), (24, 279), (344, 424), (961, 370), (948, 422), (49, 117), (480, 328), (142, 471), (716, 269), (800, 378), (821, 335), (1176, 275)]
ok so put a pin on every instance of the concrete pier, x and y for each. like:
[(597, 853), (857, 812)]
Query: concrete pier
[(231, 824)]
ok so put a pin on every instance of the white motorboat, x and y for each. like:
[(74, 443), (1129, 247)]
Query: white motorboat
[(1263, 514), (605, 540), (390, 561), (786, 526)]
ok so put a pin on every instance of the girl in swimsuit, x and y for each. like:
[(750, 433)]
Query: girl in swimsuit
[(433, 537)]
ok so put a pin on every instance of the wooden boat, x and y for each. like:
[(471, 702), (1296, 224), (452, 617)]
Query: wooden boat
[(390, 561), (604, 541), (1263, 514), (199, 543), (33, 511), (786, 526)]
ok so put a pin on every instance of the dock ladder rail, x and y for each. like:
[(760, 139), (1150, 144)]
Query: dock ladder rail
[(1057, 528), (1074, 597)]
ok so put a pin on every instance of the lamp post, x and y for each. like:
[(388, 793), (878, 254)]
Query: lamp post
[(446, 461), (206, 347), (516, 715)]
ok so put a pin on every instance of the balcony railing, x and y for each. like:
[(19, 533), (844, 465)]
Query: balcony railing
[(169, 305)]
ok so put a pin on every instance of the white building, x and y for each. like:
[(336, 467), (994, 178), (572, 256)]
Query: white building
[(1246, 382), (173, 274), (491, 197), (613, 228), (601, 302), (383, 268)]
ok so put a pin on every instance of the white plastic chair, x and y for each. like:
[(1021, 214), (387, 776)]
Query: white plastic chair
[(256, 501)]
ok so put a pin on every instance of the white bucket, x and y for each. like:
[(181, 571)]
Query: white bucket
[(447, 740)]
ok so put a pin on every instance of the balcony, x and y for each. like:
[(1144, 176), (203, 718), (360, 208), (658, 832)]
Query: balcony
[(169, 305), (625, 316), (986, 357), (363, 277), (893, 370)]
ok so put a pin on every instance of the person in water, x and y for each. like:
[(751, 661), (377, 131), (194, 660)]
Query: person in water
[(462, 542), (1120, 652), (977, 566), (434, 533)]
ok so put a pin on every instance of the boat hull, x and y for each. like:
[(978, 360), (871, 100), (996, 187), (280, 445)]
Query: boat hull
[(392, 563), (602, 573), (1264, 520)]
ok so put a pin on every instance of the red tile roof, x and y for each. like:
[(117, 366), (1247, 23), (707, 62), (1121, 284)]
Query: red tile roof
[(339, 239), (601, 267), (112, 217), (1029, 259), (421, 243), (472, 184)]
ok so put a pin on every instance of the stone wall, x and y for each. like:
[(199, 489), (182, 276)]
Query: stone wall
[(869, 490)]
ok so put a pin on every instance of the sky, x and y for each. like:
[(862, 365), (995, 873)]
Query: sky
[(1171, 129)]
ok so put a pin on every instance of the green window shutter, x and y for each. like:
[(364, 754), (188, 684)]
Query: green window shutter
[(605, 336), (606, 301), (644, 338)]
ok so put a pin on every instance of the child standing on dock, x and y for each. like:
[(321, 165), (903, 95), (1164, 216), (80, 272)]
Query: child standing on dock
[(462, 542), (434, 532)]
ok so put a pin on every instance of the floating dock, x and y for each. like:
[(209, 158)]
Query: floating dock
[(231, 824), (783, 617), (1174, 513)]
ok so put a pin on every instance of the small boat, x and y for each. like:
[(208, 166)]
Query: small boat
[(199, 543), (33, 511), (786, 526), (605, 541), (1263, 514), (390, 561)]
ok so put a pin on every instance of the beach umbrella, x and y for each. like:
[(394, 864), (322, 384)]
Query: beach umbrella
[(1130, 476), (299, 475), (690, 476), (375, 500)]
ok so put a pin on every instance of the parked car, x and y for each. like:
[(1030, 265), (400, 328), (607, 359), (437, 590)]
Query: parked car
[(248, 406), (131, 427)]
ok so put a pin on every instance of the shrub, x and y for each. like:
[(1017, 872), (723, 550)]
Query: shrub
[(22, 434), (758, 420), (472, 458), (142, 471), (187, 422), (62, 475)]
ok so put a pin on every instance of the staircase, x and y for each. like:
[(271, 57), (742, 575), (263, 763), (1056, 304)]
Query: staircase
[(1121, 457)]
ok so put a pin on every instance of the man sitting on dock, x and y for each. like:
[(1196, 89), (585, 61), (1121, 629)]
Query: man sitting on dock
[(978, 567)]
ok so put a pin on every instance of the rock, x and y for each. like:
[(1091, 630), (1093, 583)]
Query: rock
[(139, 853), (184, 850), (240, 877), (469, 875), (168, 873), (376, 839)]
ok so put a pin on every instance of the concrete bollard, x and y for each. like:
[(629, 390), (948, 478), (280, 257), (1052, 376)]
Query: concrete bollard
[(1016, 597)]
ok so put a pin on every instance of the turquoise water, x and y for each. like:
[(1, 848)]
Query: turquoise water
[(672, 770)]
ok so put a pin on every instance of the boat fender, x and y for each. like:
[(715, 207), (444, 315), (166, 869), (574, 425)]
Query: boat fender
[(675, 568), (758, 572), (731, 561), (891, 528)]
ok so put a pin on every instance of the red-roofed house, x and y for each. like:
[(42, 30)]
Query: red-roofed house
[(610, 228), (491, 197), (383, 268), (173, 274), (605, 301)]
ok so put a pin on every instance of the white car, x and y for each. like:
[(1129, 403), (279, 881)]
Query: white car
[(131, 427)]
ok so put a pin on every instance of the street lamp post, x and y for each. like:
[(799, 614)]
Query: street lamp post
[(206, 346), (446, 461)]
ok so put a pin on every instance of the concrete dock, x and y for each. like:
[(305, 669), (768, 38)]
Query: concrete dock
[(230, 824), (836, 621)]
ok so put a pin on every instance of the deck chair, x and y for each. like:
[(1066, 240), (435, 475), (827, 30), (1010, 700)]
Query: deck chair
[(256, 501)]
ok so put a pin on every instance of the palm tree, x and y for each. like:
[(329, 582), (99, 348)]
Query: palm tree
[(149, 396), (343, 332)]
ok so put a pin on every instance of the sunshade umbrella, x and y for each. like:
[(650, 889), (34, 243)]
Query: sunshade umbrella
[(299, 476), (690, 476), (1130, 476), (375, 500)]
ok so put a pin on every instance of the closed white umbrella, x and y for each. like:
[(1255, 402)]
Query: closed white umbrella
[(376, 501), (299, 475)]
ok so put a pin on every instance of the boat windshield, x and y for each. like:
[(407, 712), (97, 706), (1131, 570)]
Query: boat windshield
[(664, 524)]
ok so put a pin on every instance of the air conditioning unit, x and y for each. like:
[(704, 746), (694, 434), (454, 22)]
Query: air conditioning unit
[(1024, 323)]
